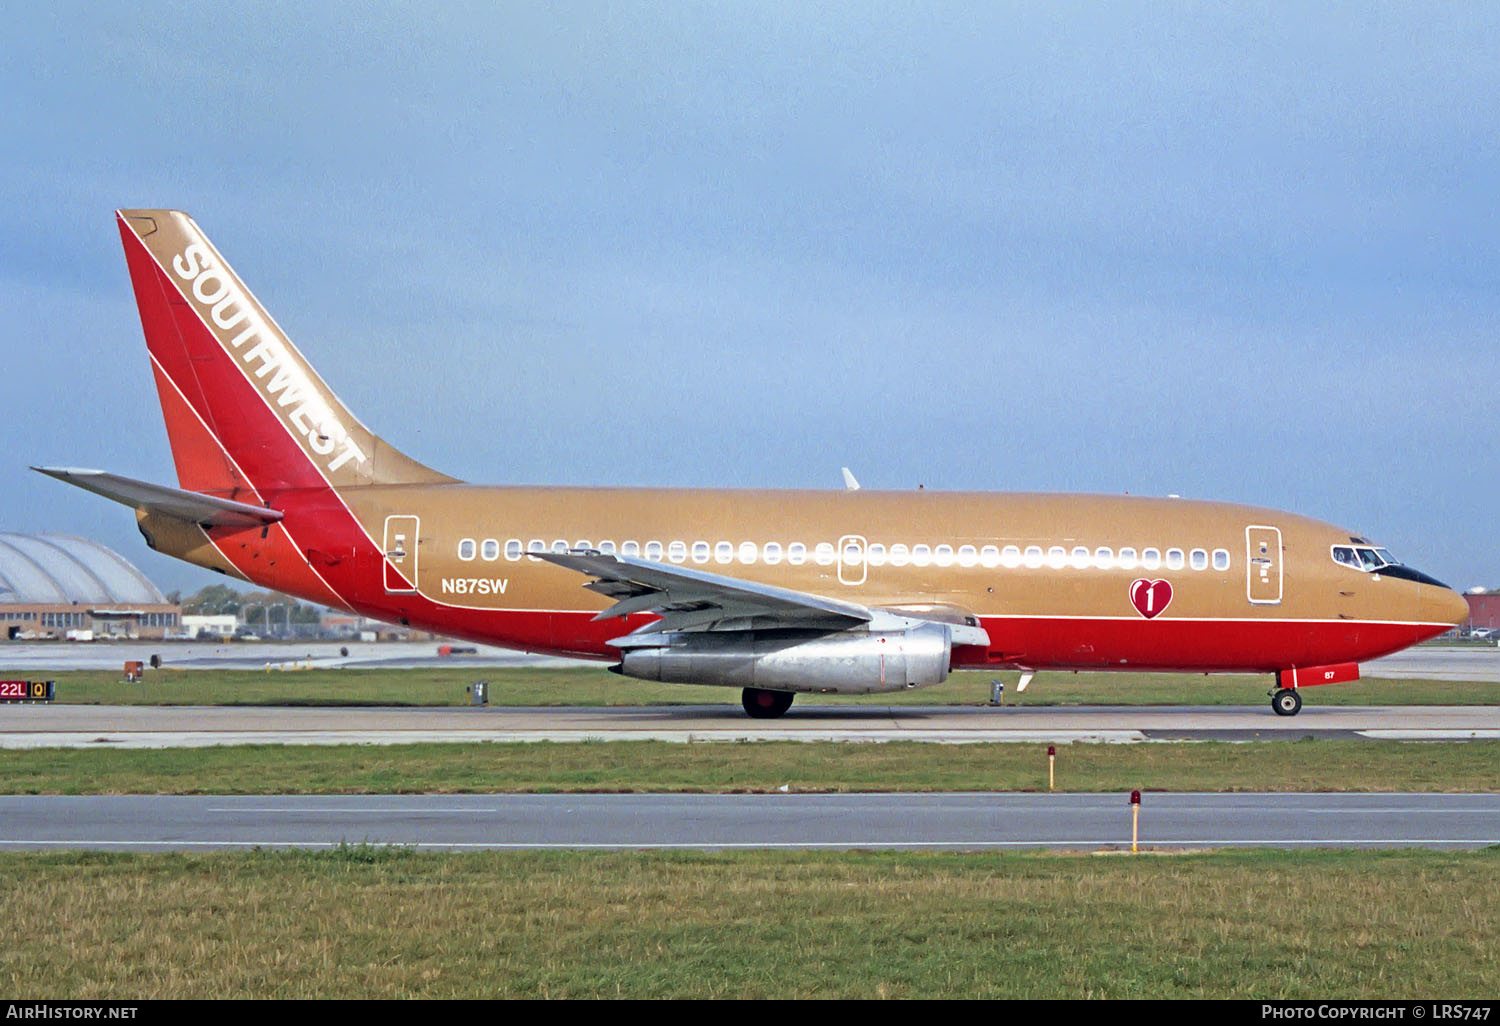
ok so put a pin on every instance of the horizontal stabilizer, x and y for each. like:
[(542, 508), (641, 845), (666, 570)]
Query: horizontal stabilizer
[(173, 502)]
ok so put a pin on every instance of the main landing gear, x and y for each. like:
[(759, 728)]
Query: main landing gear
[(766, 705), (1286, 701)]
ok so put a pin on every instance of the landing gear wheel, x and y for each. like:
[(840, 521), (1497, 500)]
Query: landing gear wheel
[(1286, 702), (766, 705)]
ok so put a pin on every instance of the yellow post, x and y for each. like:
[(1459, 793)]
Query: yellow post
[(1051, 767), (1135, 820)]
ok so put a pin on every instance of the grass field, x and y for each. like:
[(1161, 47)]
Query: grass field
[(622, 766), (597, 686), (362, 922)]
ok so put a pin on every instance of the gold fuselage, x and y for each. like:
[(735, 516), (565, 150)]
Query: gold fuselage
[(470, 534)]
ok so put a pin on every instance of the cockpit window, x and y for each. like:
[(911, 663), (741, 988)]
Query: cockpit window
[(1364, 558)]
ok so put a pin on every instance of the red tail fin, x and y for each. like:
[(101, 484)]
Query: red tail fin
[(244, 410)]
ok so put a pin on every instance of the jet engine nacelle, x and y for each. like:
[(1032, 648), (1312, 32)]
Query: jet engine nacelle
[(845, 662)]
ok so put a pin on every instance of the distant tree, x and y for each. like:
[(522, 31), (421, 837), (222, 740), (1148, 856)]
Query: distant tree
[(214, 600)]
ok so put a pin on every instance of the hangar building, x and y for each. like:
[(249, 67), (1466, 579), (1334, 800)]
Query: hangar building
[(51, 584), (1484, 609)]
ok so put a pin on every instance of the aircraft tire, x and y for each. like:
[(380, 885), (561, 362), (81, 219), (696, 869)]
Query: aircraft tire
[(766, 705), (1286, 702)]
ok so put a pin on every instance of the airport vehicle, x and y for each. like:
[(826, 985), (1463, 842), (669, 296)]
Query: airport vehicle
[(774, 592)]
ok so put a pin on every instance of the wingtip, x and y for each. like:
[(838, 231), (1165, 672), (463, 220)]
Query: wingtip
[(61, 472)]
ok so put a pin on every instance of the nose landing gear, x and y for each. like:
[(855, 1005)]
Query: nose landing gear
[(1286, 701)]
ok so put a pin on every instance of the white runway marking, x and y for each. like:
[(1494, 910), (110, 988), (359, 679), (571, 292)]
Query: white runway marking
[(1478, 734)]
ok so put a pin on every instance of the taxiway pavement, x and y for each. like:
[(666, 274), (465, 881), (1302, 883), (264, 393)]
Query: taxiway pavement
[(1430, 662), (973, 821), (91, 726)]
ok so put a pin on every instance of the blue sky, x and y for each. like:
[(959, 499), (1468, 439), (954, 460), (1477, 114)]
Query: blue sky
[(1242, 252)]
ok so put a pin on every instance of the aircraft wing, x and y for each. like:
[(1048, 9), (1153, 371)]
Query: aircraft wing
[(694, 600), (194, 507)]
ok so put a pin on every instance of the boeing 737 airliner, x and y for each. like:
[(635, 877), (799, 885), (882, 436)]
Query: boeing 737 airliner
[(774, 592)]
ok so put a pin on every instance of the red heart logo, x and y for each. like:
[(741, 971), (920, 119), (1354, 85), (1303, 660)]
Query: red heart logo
[(1150, 597)]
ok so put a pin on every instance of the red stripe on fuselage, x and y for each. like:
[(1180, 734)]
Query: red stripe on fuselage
[(1192, 645), (1219, 646)]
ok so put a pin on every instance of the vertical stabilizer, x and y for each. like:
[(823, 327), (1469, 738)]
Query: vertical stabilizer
[(244, 410)]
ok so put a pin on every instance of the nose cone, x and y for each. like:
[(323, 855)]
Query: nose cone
[(1443, 605)]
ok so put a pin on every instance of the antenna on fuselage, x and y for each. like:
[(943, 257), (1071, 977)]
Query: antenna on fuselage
[(849, 483)]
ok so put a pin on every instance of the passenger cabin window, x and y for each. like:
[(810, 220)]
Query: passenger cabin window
[(900, 555), (1221, 559), (489, 550), (921, 555), (1033, 556), (943, 555), (1127, 559), (536, 545), (560, 545), (677, 551), (1057, 557), (607, 547), (1198, 559), (1104, 557), (968, 555), (466, 549), (824, 554), (1174, 559), (773, 553), (989, 557), (630, 548), (700, 552), (653, 551), (1081, 557), (796, 553), (874, 555), (724, 553), (1010, 557), (747, 553), (1151, 559)]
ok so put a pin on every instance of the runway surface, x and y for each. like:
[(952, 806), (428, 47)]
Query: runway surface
[(1431, 662), (90, 726), (922, 821)]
